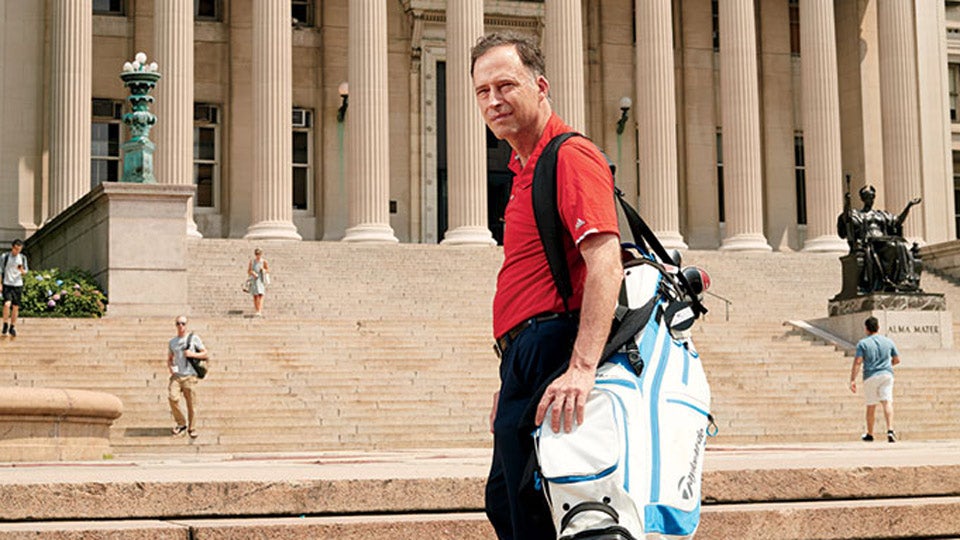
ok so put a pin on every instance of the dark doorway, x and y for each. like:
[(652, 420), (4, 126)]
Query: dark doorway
[(499, 181), (441, 149), (499, 177)]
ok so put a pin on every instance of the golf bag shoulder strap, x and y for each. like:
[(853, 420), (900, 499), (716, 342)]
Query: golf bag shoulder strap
[(550, 226), (547, 215), (642, 232)]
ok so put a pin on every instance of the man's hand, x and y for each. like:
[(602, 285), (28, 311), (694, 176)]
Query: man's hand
[(565, 396), (853, 386), (493, 410)]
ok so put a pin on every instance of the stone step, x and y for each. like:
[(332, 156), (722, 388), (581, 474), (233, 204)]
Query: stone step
[(838, 491)]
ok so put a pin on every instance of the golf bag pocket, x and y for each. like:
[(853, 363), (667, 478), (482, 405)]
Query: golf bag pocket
[(677, 419), (587, 472)]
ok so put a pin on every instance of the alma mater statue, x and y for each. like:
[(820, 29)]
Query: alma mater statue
[(884, 262)]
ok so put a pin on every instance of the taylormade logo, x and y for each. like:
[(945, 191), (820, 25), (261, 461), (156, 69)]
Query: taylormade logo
[(688, 483)]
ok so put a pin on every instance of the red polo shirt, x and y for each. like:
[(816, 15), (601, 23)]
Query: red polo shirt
[(585, 198)]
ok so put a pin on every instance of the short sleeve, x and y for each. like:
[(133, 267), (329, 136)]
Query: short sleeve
[(585, 190)]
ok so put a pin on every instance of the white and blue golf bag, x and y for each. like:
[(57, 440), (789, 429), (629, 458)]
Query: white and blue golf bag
[(632, 470)]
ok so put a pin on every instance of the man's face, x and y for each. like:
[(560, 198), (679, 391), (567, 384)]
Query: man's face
[(508, 94), (181, 326), (15, 249)]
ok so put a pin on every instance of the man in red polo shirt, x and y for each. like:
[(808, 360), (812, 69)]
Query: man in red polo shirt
[(534, 332)]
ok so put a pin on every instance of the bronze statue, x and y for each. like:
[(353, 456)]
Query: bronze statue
[(882, 258)]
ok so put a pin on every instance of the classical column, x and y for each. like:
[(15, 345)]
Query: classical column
[(272, 208), (368, 144), (563, 52), (466, 144), (821, 125), (71, 78), (740, 104), (899, 110), (173, 134), (657, 121)]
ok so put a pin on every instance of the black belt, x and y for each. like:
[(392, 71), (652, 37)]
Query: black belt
[(503, 342)]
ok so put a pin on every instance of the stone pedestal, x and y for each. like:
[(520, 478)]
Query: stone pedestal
[(131, 237), (52, 424), (912, 321)]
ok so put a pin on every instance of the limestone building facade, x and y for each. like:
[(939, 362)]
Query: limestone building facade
[(743, 116)]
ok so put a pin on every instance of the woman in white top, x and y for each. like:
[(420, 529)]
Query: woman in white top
[(259, 274)]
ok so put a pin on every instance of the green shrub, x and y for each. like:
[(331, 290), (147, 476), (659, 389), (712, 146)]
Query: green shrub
[(52, 293)]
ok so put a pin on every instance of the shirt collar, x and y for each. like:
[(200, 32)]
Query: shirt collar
[(554, 127)]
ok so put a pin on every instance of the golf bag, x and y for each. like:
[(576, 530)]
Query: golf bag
[(632, 470)]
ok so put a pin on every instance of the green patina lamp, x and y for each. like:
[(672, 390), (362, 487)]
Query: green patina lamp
[(140, 78)]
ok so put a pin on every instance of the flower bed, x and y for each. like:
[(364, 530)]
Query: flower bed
[(52, 293)]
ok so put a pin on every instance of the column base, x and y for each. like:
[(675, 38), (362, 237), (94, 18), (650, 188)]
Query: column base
[(469, 236), (370, 232), (828, 243), (745, 242), (272, 230), (192, 230), (671, 240)]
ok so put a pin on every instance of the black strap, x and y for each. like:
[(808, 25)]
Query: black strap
[(547, 214), (550, 226), (189, 344), (631, 324), (588, 507), (641, 231)]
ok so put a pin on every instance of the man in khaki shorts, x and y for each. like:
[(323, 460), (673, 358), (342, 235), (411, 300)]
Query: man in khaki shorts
[(183, 378), (877, 354)]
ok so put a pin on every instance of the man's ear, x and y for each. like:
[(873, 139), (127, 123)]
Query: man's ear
[(544, 86)]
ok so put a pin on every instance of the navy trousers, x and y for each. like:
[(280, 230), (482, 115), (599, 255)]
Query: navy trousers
[(536, 354)]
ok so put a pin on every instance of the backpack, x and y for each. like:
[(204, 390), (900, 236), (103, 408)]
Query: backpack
[(199, 364), (6, 257), (634, 467)]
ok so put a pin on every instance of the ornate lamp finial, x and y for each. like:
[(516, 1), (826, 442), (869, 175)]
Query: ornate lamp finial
[(140, 77)]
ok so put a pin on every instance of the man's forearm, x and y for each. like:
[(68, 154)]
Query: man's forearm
[(600, 291)]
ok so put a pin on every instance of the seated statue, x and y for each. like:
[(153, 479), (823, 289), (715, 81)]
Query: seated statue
[(875, 237)]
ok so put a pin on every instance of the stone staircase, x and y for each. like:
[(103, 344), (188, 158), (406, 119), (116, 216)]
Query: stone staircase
[(389, 348), (356, 408)]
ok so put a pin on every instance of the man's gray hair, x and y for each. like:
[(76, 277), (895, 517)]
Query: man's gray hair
[(526, 47)]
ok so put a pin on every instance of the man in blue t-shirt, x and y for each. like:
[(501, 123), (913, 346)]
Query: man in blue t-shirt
[(877, 354)]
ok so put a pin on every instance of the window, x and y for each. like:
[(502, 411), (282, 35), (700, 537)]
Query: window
[(302, 12), (720, 176), (208, 10), (953, 75), (794, 8), (206, 154), (800, 176), (956, 203), (302, 173), (715, 10), (105, 141), (108, 7)]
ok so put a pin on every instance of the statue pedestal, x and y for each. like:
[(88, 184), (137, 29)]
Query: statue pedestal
[(912, 321)]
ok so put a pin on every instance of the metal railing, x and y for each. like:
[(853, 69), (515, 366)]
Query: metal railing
[(726, 304)]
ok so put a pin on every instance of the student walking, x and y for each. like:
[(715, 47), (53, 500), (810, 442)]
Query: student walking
[(877, 355)]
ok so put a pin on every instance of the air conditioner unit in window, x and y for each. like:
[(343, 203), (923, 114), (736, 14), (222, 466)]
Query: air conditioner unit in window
[(107, 108), (205, 113), (302, 118)]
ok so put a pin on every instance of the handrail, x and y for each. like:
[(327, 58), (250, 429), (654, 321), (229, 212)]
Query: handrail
[(727, 303)]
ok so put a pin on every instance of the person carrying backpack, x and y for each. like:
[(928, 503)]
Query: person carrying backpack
[(537, 331), (13, 266), (183, 350)]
